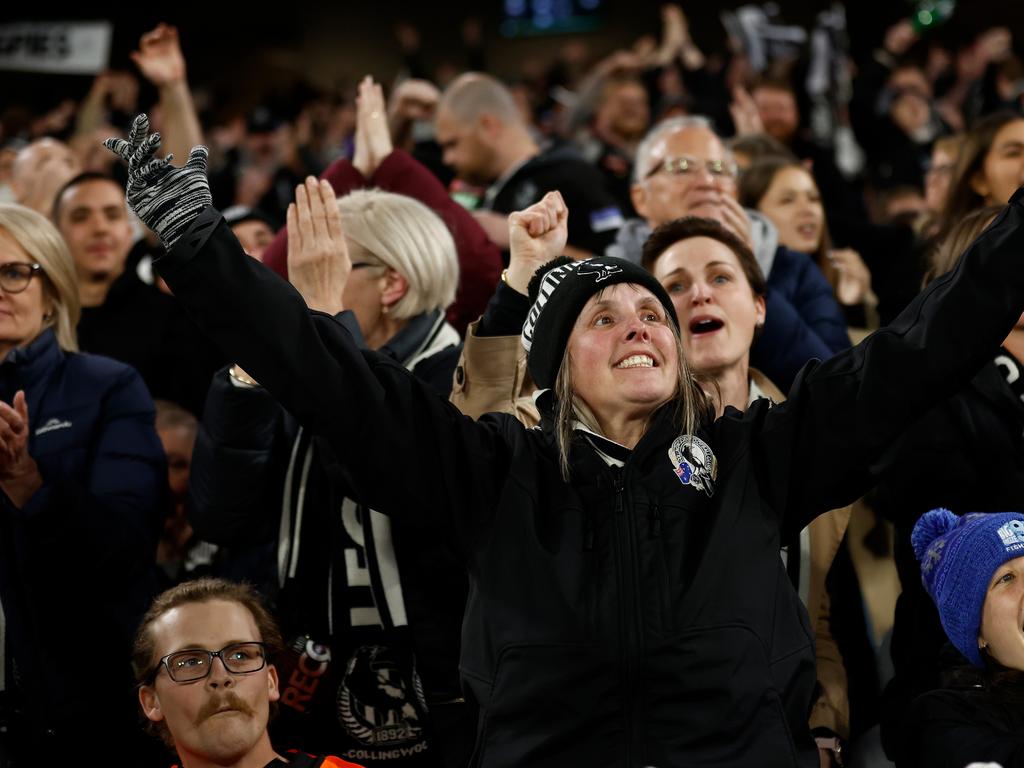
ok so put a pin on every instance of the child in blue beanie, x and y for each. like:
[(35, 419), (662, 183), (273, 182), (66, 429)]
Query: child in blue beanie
[(973, 568), (969, 566)]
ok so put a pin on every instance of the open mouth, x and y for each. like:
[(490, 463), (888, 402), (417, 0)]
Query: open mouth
[(705, 325), (807, 230), (637, 361)]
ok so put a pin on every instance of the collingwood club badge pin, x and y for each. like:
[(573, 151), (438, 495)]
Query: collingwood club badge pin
[(694, 463)]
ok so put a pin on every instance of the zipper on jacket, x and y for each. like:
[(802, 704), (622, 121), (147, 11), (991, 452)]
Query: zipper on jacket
[(655, 520), (629, 613)]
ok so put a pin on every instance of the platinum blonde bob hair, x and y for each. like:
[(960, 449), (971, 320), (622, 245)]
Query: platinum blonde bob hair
[(405, 235)]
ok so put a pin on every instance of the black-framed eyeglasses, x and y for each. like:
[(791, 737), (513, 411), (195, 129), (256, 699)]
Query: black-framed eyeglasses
[(16, 275), (686, 166), (195, 663)]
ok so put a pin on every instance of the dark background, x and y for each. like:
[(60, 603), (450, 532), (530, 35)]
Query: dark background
[(241, 51)]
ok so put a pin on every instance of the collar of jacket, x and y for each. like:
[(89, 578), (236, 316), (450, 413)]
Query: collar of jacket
[(661, 431), (40, 355), (26, 366), (417, 339)]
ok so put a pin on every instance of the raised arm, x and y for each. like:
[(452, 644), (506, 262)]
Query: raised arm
[(161, 61), (405, 448), (240, 457), (491, 375), (824, 446), (376, 163)]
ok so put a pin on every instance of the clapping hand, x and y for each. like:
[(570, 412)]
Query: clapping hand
[(536, 236), (19, 475), (318, 260)]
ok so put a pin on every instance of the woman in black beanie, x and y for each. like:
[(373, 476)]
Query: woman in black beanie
[(627, 602)]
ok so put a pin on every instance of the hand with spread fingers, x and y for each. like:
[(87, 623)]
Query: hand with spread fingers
[(536, 236), (167, 199), (19, 475), (318, 260)]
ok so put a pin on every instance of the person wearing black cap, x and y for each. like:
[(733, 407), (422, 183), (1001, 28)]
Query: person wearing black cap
[(627, 602)]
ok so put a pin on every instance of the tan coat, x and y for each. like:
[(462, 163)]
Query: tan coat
[(492, 376)]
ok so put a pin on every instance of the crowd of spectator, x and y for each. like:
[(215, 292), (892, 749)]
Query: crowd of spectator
[(211, 533)]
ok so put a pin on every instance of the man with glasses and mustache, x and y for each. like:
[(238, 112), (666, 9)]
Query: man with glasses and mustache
[(203, 661), (682, 169)]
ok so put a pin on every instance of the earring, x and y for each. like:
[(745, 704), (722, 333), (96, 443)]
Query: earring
[(47, 316)]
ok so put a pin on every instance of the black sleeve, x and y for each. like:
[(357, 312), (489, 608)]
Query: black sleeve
[(238, 463), (948, 733), (408, 451), (827, 443), (505, 314)]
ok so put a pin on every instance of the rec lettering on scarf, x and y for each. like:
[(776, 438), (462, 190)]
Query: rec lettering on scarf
[(311, 661)]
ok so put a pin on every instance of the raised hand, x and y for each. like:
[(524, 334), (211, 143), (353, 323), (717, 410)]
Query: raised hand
[(167, 199), (373, 137), (734, 218), (854, 276), (318, 260), (159, 57), (536, 236), (744, 113), (411, 100)]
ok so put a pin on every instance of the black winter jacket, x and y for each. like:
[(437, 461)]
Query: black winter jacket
[(76, 561), (624, 618), (967, 454), (957, 726)]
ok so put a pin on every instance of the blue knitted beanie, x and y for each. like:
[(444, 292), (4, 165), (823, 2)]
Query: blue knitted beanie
[(958, 556)]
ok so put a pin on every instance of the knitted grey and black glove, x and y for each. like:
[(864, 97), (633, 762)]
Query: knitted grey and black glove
[(167, 199)]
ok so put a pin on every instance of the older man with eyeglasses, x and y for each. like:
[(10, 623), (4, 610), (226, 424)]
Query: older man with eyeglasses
[(203, 659), (682, 168)]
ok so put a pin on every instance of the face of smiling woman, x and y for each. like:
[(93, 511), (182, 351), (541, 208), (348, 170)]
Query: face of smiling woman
[(623, 354), (1002, 616)]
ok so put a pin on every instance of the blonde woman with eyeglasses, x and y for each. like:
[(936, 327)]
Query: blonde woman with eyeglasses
[(83, 478)]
